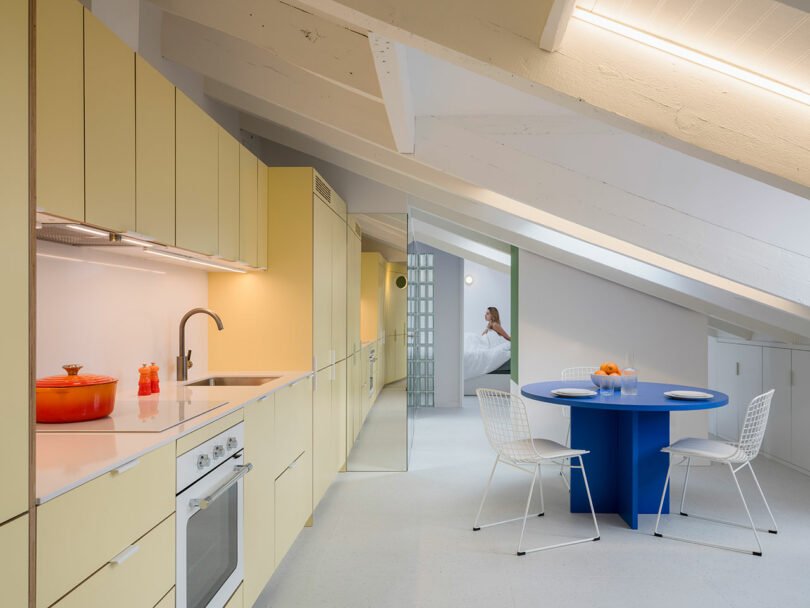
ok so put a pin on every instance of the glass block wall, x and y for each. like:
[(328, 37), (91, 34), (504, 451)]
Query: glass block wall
[(420, 330)]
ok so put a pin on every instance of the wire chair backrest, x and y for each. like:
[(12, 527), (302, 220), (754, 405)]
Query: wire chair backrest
[(506, 424), (753, 428), (578, 373)]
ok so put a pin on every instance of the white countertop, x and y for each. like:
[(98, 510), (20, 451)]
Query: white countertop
[(67, 460)]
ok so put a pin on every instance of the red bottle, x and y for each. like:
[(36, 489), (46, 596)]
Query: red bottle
[(144, 381), (153, 377)]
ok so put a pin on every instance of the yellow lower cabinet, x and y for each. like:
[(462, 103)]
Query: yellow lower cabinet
[(339, 414), (139, 575), (293, 503), (167, 601), (81, 530), (293, 429), (14, 562), (259, 488), (238, 599), (323, 440)]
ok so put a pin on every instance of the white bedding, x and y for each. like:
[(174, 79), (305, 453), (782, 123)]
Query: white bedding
[(483, 354)]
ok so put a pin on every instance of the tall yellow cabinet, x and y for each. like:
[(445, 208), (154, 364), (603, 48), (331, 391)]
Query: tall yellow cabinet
[(14, 242)]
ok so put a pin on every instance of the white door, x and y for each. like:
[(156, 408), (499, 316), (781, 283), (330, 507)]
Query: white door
[(776, 367), (739, 375), (800, 410)]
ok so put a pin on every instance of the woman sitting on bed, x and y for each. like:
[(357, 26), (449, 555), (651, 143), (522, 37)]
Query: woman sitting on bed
[(493, 320)]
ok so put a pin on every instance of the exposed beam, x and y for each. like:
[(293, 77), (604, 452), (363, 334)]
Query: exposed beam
[(730, 328), (556, 24), (314, 44), (459, 246), (392, 71), (248, 68), (598, 73)]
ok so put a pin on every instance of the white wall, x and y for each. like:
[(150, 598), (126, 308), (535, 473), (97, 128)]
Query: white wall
[(570, 318), (490, 288), (112, 312)]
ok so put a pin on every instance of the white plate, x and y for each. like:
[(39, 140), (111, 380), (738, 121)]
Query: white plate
[(573, 392), (688, 395)]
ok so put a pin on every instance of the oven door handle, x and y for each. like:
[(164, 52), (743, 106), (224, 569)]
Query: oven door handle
[(239, 472)]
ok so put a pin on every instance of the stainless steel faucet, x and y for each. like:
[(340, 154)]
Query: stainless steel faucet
[(184, 360)]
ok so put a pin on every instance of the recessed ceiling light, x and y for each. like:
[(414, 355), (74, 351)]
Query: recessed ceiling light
[(468, 279)]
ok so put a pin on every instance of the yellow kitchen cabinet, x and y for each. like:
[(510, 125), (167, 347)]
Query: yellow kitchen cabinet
[(323, 439), (248, 207), (109, 128), (197, 194), (372, 296), (154, 153), (339, 278), (59, 105), (262, 215), (167, 601), (324, 191), (322, 284), (352, 401), (228, 196), (79, 531), (293, 424), (14, 235), (293, 491), (14, 556), (259, 488), (139, 575), (237, 600), (339, 414), (352, 288)]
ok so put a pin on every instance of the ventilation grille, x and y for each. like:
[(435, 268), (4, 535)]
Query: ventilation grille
[(322, 188)]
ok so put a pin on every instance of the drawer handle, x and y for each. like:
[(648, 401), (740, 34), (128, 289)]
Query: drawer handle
[(124, 555), (263, 398), (295, 462), (239, 472), (126, 467)]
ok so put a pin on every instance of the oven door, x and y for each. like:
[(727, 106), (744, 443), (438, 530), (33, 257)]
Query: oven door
[(210, 563)]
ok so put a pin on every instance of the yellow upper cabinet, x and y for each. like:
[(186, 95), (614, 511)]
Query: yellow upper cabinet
[(197, 157), (371, 296), (60, 107), (154, 153), (109, 127), (323, 352), (263, 215), (228, 196), (248, 207), (339, 287), (352, 291)]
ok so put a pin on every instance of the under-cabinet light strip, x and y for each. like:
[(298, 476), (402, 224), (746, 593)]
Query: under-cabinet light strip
[(180, 258), (692, 56), (88, 230)]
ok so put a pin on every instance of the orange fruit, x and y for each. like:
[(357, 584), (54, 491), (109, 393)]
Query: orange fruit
[(600, 373), (603, 366), (615, 374), (610, 368)]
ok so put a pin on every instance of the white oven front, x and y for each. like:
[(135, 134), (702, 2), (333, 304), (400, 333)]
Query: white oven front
[(210, 563)]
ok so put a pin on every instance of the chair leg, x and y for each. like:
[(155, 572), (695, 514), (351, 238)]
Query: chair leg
[(484, 497), (747, 512), (685, 481), (526, 512), (540, 484), (762, 494), (663, 495), (590, 502), (562, 464)]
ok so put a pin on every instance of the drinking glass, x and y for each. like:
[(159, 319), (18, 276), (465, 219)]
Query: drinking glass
[(606, 386), (629, 381)]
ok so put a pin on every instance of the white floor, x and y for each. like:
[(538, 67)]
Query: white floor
[(405, 539)]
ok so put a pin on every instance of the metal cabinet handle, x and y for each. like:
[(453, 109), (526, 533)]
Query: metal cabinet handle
[(126, 467), (124, 555), (263, 398), (738, 368), (240, 472), (294, 463)]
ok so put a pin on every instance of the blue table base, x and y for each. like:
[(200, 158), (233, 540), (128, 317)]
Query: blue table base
[(626, 468)]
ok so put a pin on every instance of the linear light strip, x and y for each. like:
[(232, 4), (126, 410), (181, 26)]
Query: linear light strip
[(180, 258), (692, 56), (67, 259)]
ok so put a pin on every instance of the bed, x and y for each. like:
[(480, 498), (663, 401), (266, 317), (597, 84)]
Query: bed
[(487, 362)]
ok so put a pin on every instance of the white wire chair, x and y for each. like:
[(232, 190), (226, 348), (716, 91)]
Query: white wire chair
[(741, 453), (572, 374), (507, 428)]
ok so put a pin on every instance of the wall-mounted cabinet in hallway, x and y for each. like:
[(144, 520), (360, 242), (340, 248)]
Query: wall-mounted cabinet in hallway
[(154, 154), (197, 160), (353, 248), (109, 128), (248, 207)]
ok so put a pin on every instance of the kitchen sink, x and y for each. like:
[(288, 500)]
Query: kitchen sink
[(233, 381)]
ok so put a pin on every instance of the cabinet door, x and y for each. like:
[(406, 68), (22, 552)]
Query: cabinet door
[(739, 375), (323, 441), (322, 284), (14, 558), (293, 503), (197, 157), (293, 423), (352, 293), (338, 287), (263, 215), (154, 153), (228, 196), (109, 128), (776, 375), (259, 494), (800, 409), (339, 414), (60, 107), (248, 208)]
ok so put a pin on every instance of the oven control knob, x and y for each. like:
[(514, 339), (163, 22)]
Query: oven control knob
[(203, 460), (219, 451), (232, 443)]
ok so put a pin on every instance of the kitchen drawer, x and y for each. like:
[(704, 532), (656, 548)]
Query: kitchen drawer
[(167, 601), (141, 578), (293, 428), (78, 532), (293, 503), (237, 598), (14, 562)]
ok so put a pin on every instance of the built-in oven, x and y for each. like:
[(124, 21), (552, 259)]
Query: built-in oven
[(210, 561)]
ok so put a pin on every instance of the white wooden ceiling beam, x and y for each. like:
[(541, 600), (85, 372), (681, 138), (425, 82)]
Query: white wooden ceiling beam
[(598, 73), (556, 24), (248, 68), (391, 63), (314, 44)]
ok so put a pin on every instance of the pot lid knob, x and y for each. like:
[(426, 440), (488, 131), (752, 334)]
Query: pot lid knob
[(72, 369)]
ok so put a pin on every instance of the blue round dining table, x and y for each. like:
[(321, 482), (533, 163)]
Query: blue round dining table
[(624, 435)]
